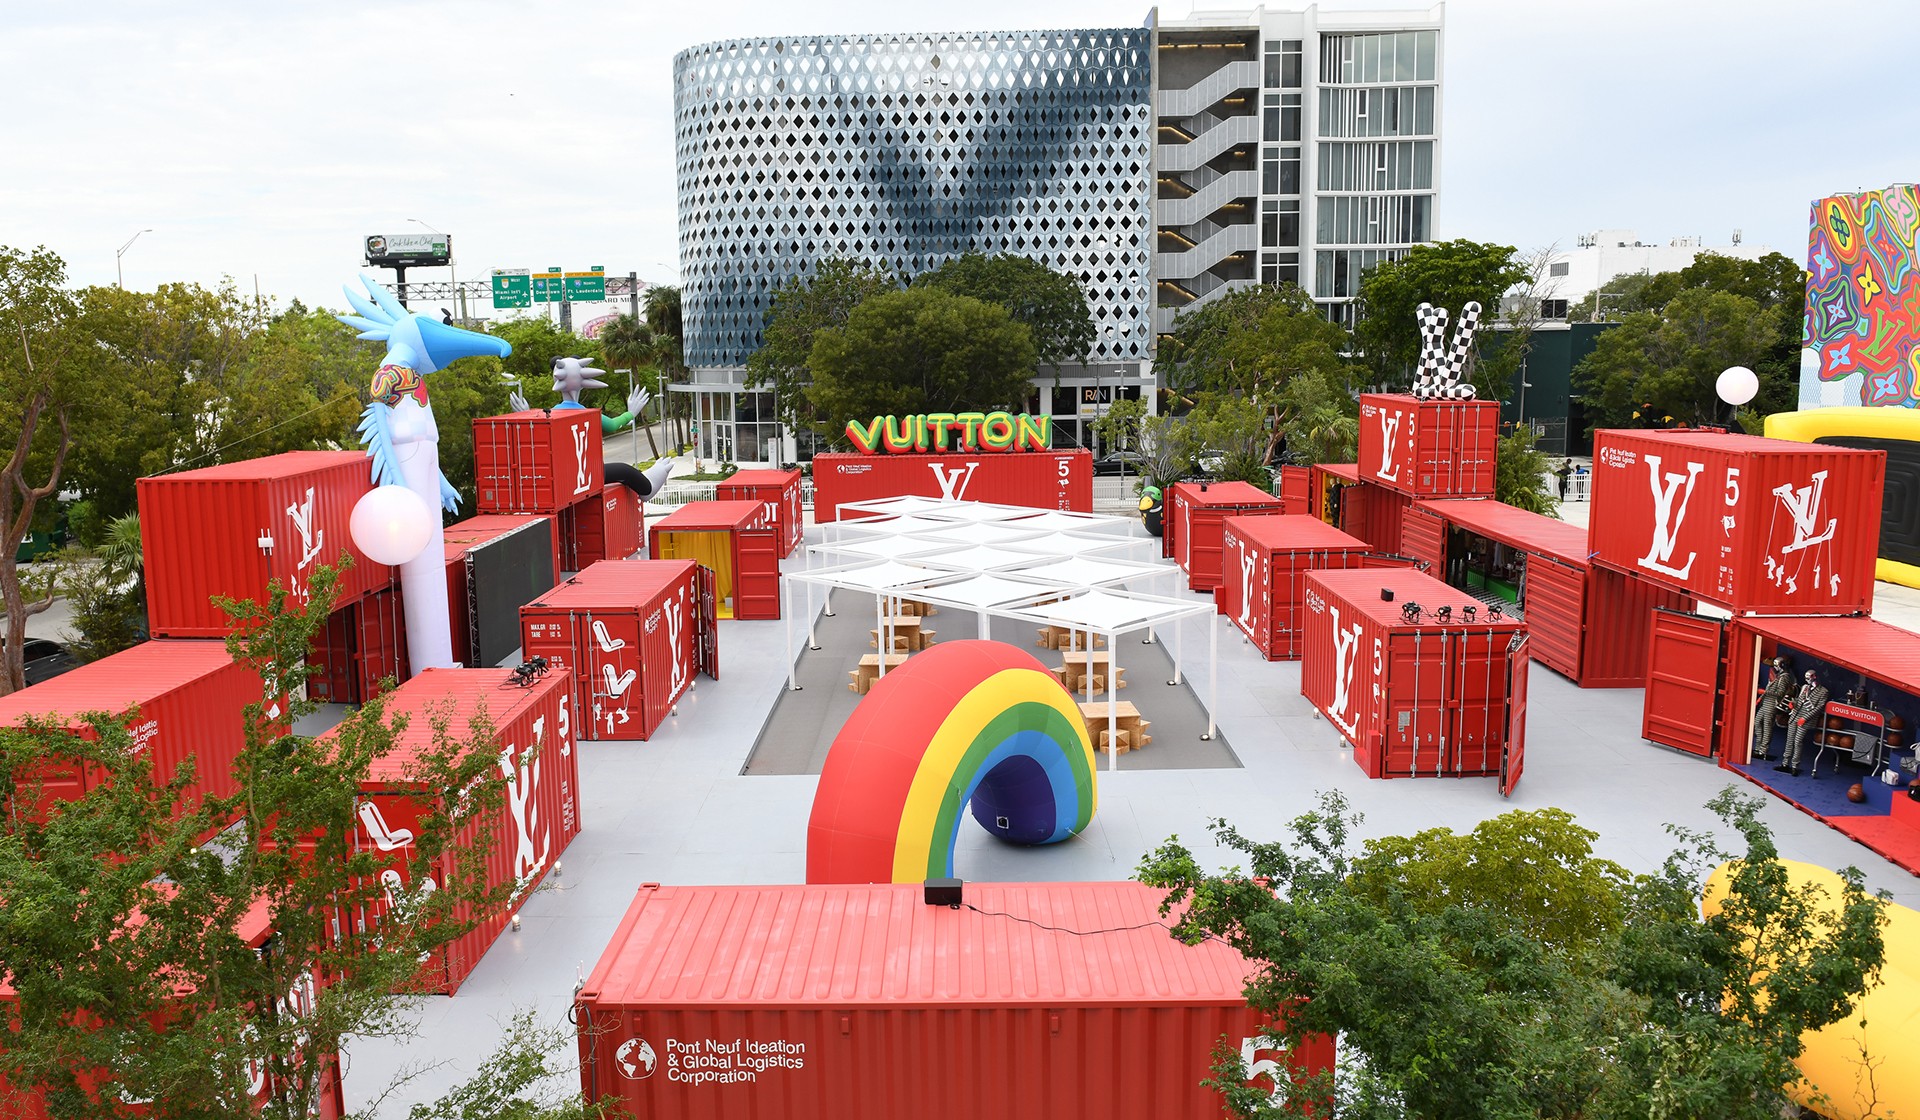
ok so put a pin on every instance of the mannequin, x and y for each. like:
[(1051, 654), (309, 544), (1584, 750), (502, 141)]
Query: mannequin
[(1776, 696), (1808, 703)]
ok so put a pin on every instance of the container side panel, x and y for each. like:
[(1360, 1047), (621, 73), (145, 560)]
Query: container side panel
[(1619, 625), (1042, 479), (1556, 609)]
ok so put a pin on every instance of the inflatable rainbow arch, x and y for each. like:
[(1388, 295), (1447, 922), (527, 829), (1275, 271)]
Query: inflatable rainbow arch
[(965, 724)]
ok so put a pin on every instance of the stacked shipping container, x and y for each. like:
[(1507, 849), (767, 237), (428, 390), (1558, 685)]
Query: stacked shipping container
[(1428, 448), (781, 490), (1195, 511), (737, 541)]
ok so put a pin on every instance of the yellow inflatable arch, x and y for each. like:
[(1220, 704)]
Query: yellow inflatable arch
[(1834, 1076), (1895, 429)]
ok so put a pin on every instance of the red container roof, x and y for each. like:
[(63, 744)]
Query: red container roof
[(287, 464), (532, 415), (880, 945), (1361, 587), (1865, 645), (1734, 443), (118, 682), (759, 478), (481, 528), (1348, 471), (614, 583), (1514, 526), (454, 694), (1296, 532), (710, 515), (1227, 494)]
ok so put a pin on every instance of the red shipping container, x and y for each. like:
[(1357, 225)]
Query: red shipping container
[(1754, 525), (186, 698), (1417, 697), (537, 461), (603, 527), (627, 635), (1326, 482), (1294, 483), (782, 489), (864, 1003), (1041, 479), (1375, 514), (737, 542), (1196, 509), (1585, 622), (491, 574), (534, 738), (233, 529), (328, 1100), (1267, 560), (1429, 449), (485, 527), (361, 645)]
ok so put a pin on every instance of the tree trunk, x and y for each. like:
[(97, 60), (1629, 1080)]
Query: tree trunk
[(15, 521)]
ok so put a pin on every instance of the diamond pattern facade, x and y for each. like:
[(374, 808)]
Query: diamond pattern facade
[(908, 150)]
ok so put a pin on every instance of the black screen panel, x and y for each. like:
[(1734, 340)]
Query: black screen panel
[(503, 575), (1900, 510)]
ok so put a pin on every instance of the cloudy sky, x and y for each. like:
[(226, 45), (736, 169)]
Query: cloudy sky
[(265, 140)]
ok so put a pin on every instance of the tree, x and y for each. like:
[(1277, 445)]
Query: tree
[(662, 305), (1237, 430), (628, 342), (1660, 367), (47, 369), (1322, 418), (920, 350), (536, 343), (120, 934), (802, 308), (1119, 425), (1167, 450), (1511, 973), (1520, 472), (1447, 274), (1252, 344), (1051, 304)]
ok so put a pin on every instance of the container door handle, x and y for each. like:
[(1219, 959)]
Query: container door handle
[(846, 1025)]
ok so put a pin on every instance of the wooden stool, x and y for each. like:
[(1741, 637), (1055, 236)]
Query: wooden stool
[(1119, 741)]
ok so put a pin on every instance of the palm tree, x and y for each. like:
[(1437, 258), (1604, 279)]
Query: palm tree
[(663, 316), (629, 342)]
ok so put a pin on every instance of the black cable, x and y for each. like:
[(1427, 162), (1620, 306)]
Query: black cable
[(1084, 932)]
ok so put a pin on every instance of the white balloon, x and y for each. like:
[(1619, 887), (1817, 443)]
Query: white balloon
[(1737, 385), (390, 524)]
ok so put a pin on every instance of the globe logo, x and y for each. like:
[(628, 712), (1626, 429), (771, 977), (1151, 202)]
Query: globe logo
[(635, 1059)]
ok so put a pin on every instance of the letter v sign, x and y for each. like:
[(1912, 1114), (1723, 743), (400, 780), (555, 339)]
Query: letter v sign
[(1667, 520), (953, 483)]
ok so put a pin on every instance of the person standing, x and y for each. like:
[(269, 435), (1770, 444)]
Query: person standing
[(1779, 684), (1808, 703), (1565, 472)]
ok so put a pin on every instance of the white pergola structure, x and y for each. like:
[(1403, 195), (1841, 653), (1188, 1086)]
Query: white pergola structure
[(1053, 574)]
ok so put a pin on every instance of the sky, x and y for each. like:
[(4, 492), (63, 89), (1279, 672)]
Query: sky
[(262, 142)]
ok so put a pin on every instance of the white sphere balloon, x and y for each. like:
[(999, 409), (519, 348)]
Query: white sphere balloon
[(1737, 385), (391, 524)]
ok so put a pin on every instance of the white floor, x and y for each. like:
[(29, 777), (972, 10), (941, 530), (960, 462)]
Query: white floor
[(676, 809)]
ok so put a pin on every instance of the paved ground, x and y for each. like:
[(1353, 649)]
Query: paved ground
[(679, 809)]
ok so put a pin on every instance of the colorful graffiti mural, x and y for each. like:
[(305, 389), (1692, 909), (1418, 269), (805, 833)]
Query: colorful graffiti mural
[(1862, 337)]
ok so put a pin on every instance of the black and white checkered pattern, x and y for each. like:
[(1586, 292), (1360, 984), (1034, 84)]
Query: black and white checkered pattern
[(1438, 377)]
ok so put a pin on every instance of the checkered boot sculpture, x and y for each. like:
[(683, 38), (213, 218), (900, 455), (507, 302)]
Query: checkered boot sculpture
[(1779, 684), (1438, 376), (1808, 703)]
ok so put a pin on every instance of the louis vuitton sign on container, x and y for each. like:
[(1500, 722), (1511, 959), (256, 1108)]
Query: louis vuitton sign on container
[(185, 701), (1760, 526), (537, 461), (1267, 560), (1036, 1001), (1194, 514), (627, 636), (780, 490), (1041, 479), (1422, 679), (1430, 448), (534, 739), (233, 529)]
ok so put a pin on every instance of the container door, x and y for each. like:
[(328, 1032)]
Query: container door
[(1513, 751), (707, 630), (331, 656), (1683, 680), (1423, 536), (615, 692), (756, 574), (1554, 607)]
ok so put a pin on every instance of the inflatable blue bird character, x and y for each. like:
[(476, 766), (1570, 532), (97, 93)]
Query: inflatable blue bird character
[(404, 444)]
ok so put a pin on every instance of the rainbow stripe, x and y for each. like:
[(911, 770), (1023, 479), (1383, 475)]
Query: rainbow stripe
[(964, 724)]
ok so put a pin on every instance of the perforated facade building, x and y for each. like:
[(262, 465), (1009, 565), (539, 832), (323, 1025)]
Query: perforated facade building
[(908, 150)]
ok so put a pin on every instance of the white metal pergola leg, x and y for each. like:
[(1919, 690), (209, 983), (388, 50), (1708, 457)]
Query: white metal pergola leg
[(1213, 669), (1179, 644), (786, 620), (983, 629), (1113, 697), (879, 631)]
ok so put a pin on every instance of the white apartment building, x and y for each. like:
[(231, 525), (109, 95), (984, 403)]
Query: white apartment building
[(1606, 253), (1292, 145)]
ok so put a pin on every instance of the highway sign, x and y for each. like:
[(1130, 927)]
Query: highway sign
[(587, 287), (511, 288)]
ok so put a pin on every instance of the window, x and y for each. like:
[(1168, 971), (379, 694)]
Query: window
[(1289, 171), (1270, 118), (1553, 309), (1290, 64), (1289, 118), (1559, 268)]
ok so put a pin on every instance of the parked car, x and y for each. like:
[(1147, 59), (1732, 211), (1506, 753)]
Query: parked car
[(1119, 462), (47, 659), (1209, 462)]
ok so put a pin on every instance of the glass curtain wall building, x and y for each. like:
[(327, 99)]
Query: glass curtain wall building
[(906, 151)]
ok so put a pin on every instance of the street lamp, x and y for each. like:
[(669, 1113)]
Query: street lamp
[(452, 276), (120, 280)]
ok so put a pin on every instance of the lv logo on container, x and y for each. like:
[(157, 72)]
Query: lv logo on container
[(1667, 520)]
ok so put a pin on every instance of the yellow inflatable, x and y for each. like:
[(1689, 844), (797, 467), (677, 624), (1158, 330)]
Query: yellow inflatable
[(1831, 1065), (1873, 423)]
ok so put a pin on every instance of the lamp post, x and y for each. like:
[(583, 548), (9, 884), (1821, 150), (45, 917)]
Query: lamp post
[(452, 275), (120, 280)]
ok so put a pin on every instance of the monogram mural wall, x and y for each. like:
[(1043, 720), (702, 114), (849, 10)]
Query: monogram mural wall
[(1862, 336)]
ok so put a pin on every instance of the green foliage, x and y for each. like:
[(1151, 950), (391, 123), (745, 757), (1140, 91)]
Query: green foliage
[(85, 525), (536, 343), (469, 388), (630, 344), (802, 308), (1510, 973), (1520, 474), (1447, 274), (516, 1082), (1660, 367), (920, 350), (1322, 418), (1119, 426), (1236, 428), (1167, 450), (1051, 304), (1254, 344), (106, 614)]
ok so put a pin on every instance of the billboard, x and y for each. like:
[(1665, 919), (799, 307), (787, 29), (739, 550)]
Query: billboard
[(1861, 343), (403, 250)]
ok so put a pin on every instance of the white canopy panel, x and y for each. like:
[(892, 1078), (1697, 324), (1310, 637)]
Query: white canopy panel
[(977, 511), (997, 533), (980, 558), (1084, 571), (882, 547), (894, 526), (1112, 612), (1071, 544), (886, 575), (905, 503), (1059, 520), (986, 591)]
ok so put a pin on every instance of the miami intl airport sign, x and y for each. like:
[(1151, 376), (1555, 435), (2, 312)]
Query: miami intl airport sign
[(952, 431)]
